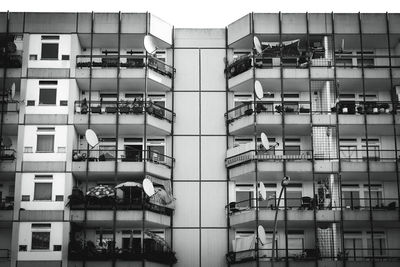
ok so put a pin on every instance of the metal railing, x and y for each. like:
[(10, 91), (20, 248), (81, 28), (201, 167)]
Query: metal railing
[(124, 107), (271, 107), (7, 203), (350, 60), (119, 204), (271, 155), (349, 153), (7, 154), (308, 203), (126, 155), (303, 254), (93, 253), (361, 107), (5, 253), (11, 61), (10, 105), (126, 61)]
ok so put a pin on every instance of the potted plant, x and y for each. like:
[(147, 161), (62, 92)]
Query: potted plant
[(137, 106), (111, 109), (360, 109), (124, 108), (384, 108), (278, 108)]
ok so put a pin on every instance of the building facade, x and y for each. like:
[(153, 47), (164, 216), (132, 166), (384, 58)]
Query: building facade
[(187, 117)]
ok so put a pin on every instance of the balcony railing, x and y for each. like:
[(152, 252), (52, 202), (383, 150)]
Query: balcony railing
[(5, 253), (361, 107), (272, 155), (92, 253), (11, 61), (271, 107), (10, 105), (303, 254), (126, 61), (351, 60), (120, 204), (124, 107), (308, 203), (128, 155), (7, 203), (350, 153), (7, 154)]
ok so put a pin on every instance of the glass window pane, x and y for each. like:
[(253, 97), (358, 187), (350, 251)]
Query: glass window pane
[(40, 240), (48, 96), (243, 199), (45, 143), (49, 51), (43, 191)]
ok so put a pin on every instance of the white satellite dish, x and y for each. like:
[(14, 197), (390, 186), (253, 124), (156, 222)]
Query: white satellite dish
[(148, 187), (264, 141), (257, 44), (258, 89), (7, 142), (263, 191), (149, 44), (12, 91), (261, 235), (91, 137)]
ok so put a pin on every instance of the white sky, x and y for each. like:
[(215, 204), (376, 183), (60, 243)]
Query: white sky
[(202, 13)]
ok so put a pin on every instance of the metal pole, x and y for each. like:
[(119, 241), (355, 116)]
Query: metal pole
[(275, 224)]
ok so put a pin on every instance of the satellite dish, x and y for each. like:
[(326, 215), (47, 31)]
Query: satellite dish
[(264, 141), (285, 181), (263, 191), (149, 44), (258, 89), (261, 235), (12, 91), (7, 142), (91, 138), (257, 45), (148, 187)]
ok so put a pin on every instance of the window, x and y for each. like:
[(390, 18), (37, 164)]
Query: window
[(43, 191), (353, 245), (49, 50), (379, 245), (45, 143), (40, 236), (47, 97)]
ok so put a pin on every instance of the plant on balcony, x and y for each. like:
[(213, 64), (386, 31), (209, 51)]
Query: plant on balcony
[(278, 108), (360, 109), (76, 198), (124, 108), (137, 106), (384, 108)]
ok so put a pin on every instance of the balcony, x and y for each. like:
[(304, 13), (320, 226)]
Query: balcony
[(11, 61), (91, 253), (241, 165), (103, 116), (6, 210), (130, 162), (356, 160), (240, 119), (305, 257), (132, 72), (11, 111), (8, 160), (356, 211)]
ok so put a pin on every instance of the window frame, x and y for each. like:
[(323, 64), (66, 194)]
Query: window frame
[(37, 142), (43, 182), (47, 104)]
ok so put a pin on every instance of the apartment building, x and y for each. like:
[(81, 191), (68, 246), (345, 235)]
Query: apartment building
[(193, 116)]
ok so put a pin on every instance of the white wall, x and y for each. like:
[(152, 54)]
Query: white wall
[(25, 238), (60, 140), (58, 188), (35, 48), (32, 93)]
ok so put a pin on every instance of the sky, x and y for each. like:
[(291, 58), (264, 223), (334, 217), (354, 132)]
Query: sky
[(202, 13)]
